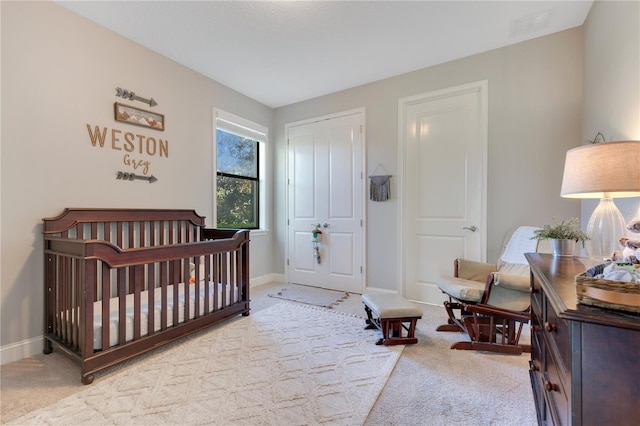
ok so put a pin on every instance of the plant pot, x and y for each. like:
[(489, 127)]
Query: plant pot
[(562, 247)]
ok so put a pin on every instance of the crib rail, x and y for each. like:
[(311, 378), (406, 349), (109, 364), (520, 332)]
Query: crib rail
[(127, 228)]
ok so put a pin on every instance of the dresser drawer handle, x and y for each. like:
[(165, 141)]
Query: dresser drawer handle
[(550, 327), (550, 386)]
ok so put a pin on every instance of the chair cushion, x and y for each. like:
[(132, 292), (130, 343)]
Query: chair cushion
[(461, 289), (513, 282), (386, 305), (515, 269), (472, 270), (506, 298)]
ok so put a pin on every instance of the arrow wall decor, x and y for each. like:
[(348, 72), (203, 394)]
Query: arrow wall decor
[(133, 176), (126, 94)]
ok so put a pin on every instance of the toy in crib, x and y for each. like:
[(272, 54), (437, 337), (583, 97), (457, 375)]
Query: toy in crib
[(192, 273)]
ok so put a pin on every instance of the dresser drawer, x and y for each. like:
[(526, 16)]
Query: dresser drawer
[(537, 296), (537, 339), (558, 334), (554, 389)]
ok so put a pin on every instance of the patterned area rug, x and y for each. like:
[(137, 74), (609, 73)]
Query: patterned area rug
[(311, 295), (288, 364)]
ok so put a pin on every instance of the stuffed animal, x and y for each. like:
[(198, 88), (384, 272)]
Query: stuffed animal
[(634, 226), (631, 247), (192, 272)]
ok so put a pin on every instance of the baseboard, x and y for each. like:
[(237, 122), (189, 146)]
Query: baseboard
[(267, 278), (379, 290), (17, 351), (386, 290)]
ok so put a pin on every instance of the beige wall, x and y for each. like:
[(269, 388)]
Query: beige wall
[(59, 72), (535, 99), (612, 82)]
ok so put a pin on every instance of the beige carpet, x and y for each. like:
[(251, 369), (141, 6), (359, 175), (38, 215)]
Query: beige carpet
[(287, 364), (311, 295), (430, 385)]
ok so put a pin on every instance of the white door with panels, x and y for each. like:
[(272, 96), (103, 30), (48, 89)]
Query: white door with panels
[(326, 190), (443, 151)]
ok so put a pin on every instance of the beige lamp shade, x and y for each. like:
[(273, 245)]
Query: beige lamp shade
[(590, 171)]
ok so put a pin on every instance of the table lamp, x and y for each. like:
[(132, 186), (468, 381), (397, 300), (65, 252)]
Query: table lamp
[(604, 170)]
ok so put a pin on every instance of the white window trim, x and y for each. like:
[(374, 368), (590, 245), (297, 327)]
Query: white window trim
[(241, 126)]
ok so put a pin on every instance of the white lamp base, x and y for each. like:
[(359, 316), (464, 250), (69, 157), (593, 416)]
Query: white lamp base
[(606, 226)]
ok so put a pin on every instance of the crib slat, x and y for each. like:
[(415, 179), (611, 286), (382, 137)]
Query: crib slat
[(86, 310), (164, 277), (224, 260), (206, 279), (232, 275), (119, 234), (187, 289), (151, 279), (143, 233), (215, 262), (135, 280), (122, 305), (66, 305), (130, 234), (175, 276), (106, 308), (79, 298)]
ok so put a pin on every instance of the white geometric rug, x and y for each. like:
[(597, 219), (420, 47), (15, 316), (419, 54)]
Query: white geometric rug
[(289, 364)]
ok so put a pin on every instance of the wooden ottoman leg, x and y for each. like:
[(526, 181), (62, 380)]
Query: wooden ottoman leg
[(370, 321)]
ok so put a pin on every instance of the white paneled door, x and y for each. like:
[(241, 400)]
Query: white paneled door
[(443, 149), (326, 188)]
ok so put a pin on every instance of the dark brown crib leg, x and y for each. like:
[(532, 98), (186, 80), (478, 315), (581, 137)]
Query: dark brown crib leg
[(48, 348), (87, 379)]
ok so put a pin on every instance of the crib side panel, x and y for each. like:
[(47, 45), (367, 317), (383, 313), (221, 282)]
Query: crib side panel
[(163, 278)]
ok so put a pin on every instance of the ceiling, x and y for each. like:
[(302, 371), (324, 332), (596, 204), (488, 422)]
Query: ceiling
[(283, 52)]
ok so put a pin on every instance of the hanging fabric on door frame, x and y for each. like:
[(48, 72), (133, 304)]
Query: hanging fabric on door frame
[(379, 185)]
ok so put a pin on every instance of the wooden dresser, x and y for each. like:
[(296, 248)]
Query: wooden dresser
[(585, 361)]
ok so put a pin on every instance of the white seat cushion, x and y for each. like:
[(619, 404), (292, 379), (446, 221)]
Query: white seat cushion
[(385, 305), (461, 289)]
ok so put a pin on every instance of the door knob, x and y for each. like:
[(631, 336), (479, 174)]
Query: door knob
[(471, 228)]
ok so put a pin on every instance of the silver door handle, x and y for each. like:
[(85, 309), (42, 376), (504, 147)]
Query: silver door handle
[(471, 228)]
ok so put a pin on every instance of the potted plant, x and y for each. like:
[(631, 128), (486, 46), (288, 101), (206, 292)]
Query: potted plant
[(562, 235)]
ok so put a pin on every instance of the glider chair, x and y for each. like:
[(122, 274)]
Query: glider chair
[(490, 302)]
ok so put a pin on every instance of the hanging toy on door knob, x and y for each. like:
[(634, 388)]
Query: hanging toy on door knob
[(316, 238)]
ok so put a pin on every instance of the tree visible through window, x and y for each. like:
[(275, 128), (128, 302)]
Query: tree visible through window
[(237, 181)]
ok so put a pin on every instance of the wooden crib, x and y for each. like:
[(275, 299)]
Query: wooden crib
[(120, 282)]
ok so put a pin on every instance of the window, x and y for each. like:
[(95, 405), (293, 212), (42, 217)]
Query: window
[(239, 173)]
